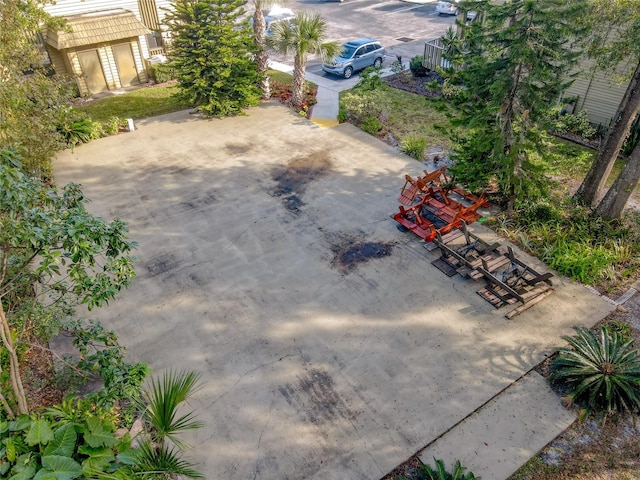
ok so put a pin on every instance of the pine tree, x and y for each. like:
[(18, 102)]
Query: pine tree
[(212, 52), (613, 41), (516, 65)]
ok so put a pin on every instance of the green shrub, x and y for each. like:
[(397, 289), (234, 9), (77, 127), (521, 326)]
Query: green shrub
[(112, 126), (371, 125), (343, 116), (578, 258), (577, 124), (370, 79), (101, 354), (51, 446), (621, 328), (414, 147), (76, 131), (602, 371), (416, 67), (425, 472), (360, 105), (163, 72)]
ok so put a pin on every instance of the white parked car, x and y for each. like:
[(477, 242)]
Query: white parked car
[(447, 8), (451, 8), (275, 15)]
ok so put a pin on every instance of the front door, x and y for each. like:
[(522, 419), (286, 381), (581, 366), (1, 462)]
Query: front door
[(126, 64), (92, 71)]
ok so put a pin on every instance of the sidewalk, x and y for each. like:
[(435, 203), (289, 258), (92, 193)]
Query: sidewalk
[(325, 112)]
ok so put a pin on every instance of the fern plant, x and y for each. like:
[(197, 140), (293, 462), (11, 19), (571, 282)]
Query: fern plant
[(425, 472), (602, 371)]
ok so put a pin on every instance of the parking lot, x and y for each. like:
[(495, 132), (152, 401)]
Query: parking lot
[(393, 22)]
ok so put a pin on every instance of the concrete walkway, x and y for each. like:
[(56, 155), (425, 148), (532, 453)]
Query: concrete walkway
[(331, 347), (325, 112)]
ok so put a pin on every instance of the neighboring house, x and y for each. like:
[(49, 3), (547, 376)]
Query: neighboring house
[(594, 90), (597, 92), (107, 43)]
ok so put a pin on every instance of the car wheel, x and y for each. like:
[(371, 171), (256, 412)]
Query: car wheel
[(377, 63), (348, 72)]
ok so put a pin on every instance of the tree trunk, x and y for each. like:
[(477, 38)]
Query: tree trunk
[(591, 188), (300, 64), (613, 203), (14, 366), (262, 57)]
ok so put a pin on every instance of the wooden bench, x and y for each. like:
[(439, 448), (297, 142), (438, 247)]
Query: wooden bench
[(517, 283)]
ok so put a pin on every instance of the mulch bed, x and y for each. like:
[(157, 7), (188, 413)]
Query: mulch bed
[(418, 85)]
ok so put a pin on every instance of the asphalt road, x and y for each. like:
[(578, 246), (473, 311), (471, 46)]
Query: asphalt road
[(393, 22)]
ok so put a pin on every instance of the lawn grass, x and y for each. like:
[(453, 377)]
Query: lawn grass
[(151, 101), (137, 104), (406, 115)]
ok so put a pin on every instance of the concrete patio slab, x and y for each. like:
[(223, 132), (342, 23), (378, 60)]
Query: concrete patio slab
[(267, 261), (501, 436)]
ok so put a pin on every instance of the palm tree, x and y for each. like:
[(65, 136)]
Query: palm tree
[(161, 449), (304, 35), (260, 39)]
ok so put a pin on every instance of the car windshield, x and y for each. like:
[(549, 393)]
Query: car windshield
[(348, 51)]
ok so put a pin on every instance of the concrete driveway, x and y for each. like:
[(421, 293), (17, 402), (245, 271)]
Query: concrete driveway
[(267, 261)]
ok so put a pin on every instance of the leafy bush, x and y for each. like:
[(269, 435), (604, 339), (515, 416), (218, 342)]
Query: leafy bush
[(425, 472), (621, 328), (77, 439), (578, 259), (396, 67), (414, 147), (602, 371), (111, 126), (577, 244), (282, 92), (76, 131), (416, 67), (50, 446), (370, 79), (163, 72), (577, 124), (343, 116), (371, 125), (102, 355), (361, 105)]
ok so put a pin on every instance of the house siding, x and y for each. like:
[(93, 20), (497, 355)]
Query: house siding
[(65, 8), (598, 93)]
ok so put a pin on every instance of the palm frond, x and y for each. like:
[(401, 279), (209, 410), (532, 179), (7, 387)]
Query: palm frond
[(164, 399)]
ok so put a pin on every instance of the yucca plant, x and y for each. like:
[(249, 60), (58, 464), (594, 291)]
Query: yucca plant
[(425, 472), (602, 371)]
